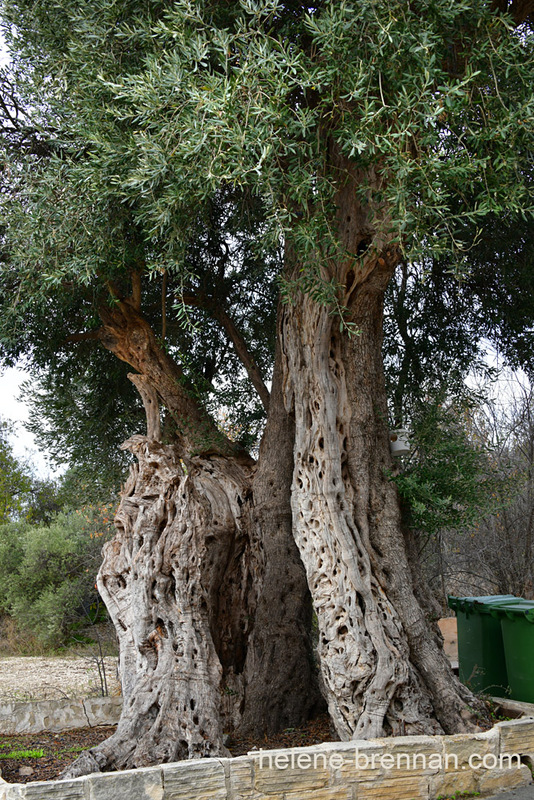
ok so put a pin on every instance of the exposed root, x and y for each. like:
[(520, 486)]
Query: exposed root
[(87, 762)]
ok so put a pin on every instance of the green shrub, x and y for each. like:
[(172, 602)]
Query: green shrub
[(47, 573), (11, 553)]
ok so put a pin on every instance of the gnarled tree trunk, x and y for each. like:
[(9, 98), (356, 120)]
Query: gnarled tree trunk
[(281, 688), (173, 581), (203, 580), (205, 587), (382, 663)]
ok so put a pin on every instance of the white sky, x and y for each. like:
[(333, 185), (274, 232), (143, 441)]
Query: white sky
[(11, 408), (4, 57)]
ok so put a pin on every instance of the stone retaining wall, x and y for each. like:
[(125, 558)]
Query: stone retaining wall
[(403, 768), (58, 715)]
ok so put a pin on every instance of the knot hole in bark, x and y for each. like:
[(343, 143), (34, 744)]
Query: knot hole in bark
[(363, 245)]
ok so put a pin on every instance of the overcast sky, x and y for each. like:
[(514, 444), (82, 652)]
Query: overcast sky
[(11, 408)]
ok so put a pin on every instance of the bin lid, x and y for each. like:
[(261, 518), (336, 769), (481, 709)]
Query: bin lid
[(516, 609), (482, 604)]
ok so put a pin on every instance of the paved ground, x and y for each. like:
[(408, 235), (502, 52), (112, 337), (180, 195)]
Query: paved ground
[(525, 793)]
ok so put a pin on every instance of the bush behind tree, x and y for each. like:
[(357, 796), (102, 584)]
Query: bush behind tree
[(15, 481), (47, 574), (451, 480)]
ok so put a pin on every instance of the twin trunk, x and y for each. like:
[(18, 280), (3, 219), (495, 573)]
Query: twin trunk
[(209, 599), (206, 587)]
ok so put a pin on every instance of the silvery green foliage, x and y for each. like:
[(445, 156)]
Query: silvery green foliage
[(153, 110)]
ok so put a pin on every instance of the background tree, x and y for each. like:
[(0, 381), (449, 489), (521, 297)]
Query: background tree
[(49, 553), (47, 575), (353, 135), (494, 555), (15, 480)]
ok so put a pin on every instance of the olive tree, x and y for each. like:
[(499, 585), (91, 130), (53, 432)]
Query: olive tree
[(348, 137)]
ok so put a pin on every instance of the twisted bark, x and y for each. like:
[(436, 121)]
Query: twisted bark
[(382, 664), (281, 686), (172, 580)]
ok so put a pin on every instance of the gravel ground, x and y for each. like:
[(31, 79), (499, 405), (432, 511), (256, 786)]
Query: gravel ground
[(26, 678)]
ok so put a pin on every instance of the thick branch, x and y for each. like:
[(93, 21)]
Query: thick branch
[(238, 342), (244, 355), (150, 401), (136, 290), (128, 335), (83, 337), (114, 290), (163, 306)]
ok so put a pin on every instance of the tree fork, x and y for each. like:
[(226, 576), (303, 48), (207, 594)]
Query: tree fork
[(127, 334)]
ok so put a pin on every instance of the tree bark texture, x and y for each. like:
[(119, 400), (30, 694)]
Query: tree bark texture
[(281, 685), (208, 595), (174, 581), (382, 664)]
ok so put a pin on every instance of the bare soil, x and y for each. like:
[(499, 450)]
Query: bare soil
[(60, 749), (51, 678)]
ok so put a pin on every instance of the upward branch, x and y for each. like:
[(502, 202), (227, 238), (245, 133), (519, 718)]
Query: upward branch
[(149, 397), (238, 341), (136, 290), (245, 356), (127, 334)]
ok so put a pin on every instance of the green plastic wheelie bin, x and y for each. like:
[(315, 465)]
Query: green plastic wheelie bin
[(481, 659), (516, 618)]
